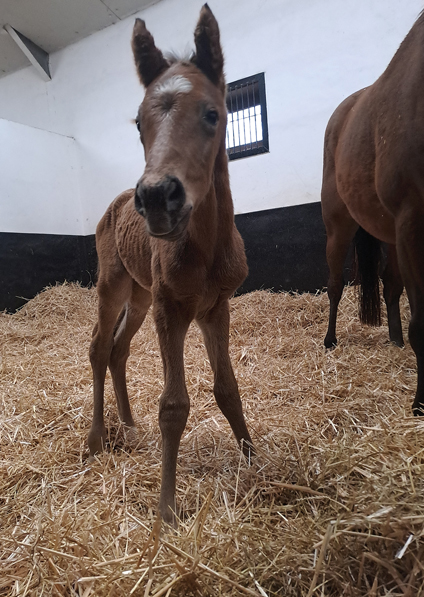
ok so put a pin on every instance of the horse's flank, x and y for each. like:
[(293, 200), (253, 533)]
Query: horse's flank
[(374, 178)]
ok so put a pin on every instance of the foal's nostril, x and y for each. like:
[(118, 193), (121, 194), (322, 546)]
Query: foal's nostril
[(139, 200), (175, 194), (160, 202)]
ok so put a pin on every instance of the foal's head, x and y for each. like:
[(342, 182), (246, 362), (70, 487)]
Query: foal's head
[(182, 122)]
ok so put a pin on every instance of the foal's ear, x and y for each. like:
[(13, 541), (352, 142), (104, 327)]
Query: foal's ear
[(149, 60), (208, 57)]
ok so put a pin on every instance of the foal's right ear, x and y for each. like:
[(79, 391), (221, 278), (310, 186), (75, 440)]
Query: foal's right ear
[(149, 61)]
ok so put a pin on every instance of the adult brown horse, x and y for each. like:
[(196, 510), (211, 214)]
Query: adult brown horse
[(172, 242), (374, 179)]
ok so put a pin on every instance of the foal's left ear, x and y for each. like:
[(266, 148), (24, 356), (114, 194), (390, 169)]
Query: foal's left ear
[(208, 57), (149, 60)]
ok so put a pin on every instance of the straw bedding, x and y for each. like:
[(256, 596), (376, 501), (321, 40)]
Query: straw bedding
[(332, 505)]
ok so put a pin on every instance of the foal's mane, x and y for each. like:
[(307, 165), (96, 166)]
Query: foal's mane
[(173, 57)]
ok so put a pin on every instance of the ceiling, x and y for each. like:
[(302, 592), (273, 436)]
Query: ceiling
[(55, 24)]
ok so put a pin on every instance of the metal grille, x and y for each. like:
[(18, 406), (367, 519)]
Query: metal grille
[(247, 129)]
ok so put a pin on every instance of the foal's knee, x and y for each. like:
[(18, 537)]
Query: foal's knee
[(173, 414)]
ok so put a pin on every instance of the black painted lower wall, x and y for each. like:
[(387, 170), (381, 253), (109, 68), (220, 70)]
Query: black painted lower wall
[(30, 262), (285, 250)]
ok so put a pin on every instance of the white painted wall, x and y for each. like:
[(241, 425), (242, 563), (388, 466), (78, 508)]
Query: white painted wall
[(313, 52), (39, 183)]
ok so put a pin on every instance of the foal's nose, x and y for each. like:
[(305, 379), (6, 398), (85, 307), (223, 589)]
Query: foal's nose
[(165, 197)]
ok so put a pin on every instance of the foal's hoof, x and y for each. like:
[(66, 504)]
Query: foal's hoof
[(131, 438), (96, 442), (249, 451), (168, 517)]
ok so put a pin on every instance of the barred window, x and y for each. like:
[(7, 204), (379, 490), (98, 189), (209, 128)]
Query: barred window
[(247, 125)]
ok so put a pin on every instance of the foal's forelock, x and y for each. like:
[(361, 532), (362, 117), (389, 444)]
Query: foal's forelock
[(173, 86)]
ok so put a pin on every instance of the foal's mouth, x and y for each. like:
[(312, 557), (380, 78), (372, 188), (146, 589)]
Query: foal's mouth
[(176, 232)]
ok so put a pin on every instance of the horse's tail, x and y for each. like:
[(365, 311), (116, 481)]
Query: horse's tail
[(367, 262)]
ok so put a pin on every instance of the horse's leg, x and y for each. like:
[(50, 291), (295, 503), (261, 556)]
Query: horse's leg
[(215, 327), (341, 229), (410, 250), (112, 295), (134, 314), (172, 321), (392, 290)]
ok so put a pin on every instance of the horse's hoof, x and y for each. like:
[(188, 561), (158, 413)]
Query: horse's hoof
[(418, 411), (330, 344)]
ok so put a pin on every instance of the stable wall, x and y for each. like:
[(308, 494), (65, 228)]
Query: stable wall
[(39, 182), (313, 52)]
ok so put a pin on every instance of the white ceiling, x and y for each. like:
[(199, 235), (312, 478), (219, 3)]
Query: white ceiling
[(54, 24)]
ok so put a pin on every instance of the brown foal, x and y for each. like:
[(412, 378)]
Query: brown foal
[(374, 179), (172, 242)]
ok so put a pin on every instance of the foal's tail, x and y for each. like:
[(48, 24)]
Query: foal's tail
[(367, 265)]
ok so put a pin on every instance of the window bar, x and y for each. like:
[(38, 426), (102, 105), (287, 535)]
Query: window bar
[(248, 115), (234, 108), (243, 117), (254, 116), (251, 107), (238, 116), (249, 129), (264, 118), (232, 120), (252, 140)]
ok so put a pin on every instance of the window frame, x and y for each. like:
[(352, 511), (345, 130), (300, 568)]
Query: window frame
[(255, 147)]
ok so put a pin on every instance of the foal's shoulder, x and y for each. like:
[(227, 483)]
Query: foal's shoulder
[(113, 211)]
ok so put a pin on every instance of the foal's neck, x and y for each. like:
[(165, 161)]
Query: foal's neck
[(224, 200), (212, 224)]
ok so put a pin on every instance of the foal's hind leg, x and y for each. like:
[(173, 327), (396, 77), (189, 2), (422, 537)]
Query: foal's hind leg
[(112, 294), (134, 314), (341, 229), (215, 327), (392, 290)]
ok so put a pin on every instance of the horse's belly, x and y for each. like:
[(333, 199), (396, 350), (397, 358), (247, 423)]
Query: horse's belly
[(360, 197), (375, 219)]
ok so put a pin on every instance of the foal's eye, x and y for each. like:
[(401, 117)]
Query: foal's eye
[(137, 124), (211, 117)]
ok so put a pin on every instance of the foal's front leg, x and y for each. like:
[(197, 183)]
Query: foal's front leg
[(172, 321), (111, 301), (215, 326)]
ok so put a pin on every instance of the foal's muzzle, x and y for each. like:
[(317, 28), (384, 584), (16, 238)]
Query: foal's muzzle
[(164, 207)]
